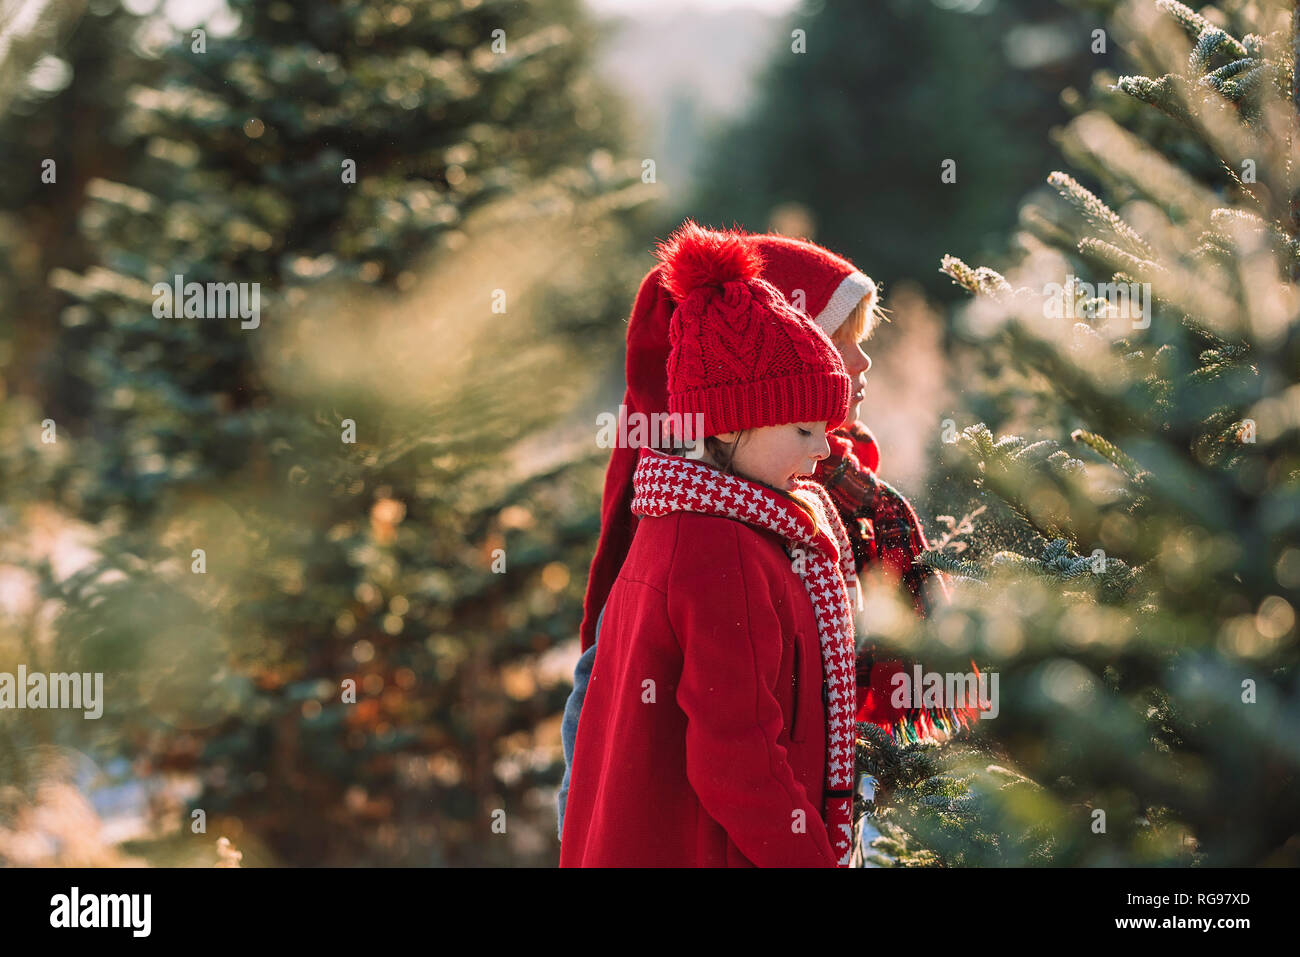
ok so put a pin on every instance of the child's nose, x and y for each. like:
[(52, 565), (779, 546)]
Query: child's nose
[(861, 362), (823, 450)]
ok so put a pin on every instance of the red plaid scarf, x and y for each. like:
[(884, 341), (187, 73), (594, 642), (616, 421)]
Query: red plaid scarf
[(668, 483), (884, 530)]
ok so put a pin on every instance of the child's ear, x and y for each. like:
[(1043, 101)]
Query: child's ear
[(726, 437)]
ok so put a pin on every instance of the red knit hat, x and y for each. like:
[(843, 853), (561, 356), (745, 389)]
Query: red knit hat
[(800, 270), (824, 285), (741, 356)]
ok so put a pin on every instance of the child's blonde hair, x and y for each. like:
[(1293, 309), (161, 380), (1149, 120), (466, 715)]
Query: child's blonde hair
[(866, 316)]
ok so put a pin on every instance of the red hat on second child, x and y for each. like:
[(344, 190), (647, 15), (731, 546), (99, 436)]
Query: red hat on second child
[(824, 285), (800, 270), (741, 356)]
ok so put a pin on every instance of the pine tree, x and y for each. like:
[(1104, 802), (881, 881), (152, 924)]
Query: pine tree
[(60, 98), (334, 500), (862, 104), (1133, 574), (63, 69)]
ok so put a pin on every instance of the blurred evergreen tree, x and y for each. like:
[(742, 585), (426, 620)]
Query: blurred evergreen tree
[(338, 493), (857, 128), (1135, 587), (63, 69), (61, 84)]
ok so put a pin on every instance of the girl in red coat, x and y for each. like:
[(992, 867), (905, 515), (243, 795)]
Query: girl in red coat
[(884, 530), (717, 728)]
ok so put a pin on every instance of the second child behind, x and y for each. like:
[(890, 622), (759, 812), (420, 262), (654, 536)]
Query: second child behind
[(717, 728)]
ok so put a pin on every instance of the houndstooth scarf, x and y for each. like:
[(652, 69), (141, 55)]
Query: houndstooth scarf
[(823, 559)]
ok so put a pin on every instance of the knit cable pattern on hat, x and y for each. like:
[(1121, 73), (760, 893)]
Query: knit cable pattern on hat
[(741, 356)]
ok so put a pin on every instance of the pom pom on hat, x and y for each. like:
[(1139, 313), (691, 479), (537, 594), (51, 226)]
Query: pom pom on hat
[(695, 257), (741, 356)]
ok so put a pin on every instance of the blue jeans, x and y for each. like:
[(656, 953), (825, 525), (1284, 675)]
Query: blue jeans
[(569, 726)]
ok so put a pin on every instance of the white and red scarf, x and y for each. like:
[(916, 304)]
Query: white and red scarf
[(823, 560)]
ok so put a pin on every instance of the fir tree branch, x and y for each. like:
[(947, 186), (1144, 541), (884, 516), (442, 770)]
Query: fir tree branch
[(940, 561), (1210, 41), (1197, 26), (1168, 94), (1109, 452), (982, 280), (1098, 213)]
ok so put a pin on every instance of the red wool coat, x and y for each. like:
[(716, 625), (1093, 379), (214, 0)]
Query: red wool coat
[(709, 773)]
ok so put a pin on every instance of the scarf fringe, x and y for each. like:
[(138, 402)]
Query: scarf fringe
[(928, 725)]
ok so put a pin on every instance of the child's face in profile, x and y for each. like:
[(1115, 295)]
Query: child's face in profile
[(856, 363), (778, 454)]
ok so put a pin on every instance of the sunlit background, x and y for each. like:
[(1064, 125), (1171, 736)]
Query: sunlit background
[(331, 567)]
